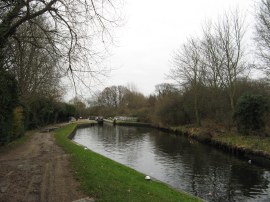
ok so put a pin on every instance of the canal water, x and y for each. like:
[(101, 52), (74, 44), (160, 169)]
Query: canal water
[(180, 162)]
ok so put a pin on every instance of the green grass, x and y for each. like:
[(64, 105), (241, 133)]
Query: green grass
[(254, 143), (107, 180)]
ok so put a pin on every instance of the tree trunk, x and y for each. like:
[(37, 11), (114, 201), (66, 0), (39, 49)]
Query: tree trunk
[(197, 115)]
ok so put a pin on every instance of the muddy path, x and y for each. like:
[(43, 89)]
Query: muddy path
[(38, 170)]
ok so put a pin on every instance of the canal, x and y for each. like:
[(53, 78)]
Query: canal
[(180, 162)]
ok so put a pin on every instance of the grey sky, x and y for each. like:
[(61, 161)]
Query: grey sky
[(153, 29)]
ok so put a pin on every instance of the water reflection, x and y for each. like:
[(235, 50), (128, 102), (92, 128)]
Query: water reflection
[(183, 163)]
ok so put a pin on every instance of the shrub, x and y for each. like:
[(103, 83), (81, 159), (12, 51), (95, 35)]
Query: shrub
[(250, 113), (43, 111), (8, 101), (169, 110)]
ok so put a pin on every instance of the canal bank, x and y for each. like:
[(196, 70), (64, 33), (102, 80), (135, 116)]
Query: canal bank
[(181, 162), (254, 149), (106, 180), (248, 147), (127, 123)]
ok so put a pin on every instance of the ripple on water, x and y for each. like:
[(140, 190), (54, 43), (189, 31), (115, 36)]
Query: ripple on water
[(187, 165)]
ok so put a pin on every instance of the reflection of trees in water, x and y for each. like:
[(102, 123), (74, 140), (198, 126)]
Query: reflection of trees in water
[(121, 138), (121, 135), (194, 167), (250, 177), (124, 135), (212, 174)]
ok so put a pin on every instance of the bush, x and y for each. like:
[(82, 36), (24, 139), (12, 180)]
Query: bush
[(169, 110), (43, 111), (250, 113), (8, 101)]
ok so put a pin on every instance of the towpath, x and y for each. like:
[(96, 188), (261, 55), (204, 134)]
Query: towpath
[(38, 170)]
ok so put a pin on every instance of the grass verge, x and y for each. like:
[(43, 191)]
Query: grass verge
[(255, 143), (107, 180), (229, 141)]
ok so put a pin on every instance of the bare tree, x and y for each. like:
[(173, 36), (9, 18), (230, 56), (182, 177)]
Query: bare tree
[(132, 100), (263, 33), (189, 70), (112, 96), (74, 24), (230, 32), (213, 57), (34, 63), (224, 53), (165, 89)]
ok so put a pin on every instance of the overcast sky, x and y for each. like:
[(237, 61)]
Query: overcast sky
[(153, 29)]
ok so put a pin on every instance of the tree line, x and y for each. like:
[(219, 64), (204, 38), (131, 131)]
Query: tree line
[(42, 42), (213, 84)]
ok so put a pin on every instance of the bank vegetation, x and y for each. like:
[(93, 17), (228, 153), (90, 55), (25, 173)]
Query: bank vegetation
[(214, 85)]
